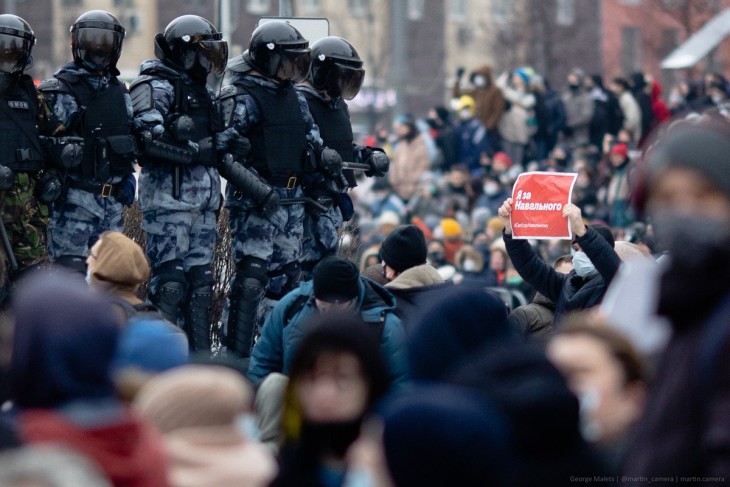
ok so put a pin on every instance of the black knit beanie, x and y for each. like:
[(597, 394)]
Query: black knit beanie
[(403, 248), (335, 280)]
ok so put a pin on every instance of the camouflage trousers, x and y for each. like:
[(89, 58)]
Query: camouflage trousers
[(276, 240), (26, 222), (321, 236), (180, 235), (78, 220)]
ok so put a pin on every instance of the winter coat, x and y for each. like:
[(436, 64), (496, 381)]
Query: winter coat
[(127, 450), (659, 108), (685, 429), (473, 141), (282, 333), (579, 109), (518, 123), (534, 321), (414, 288), (632, 115), (569, 292), (409, 163), (489, 102)]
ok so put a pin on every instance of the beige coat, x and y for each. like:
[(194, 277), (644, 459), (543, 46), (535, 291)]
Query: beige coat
[(409, 163)]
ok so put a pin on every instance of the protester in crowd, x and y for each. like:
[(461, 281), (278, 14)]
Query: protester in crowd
[(336, 285), (442, 131), (639, 89), (411, 280), (490, 103), (198, 409), (579, 110), (607, 375), (658, 106), (595, 263), (684, 430), (453, 238), (410, 159), (336, 378), (629, 107), (534, 321), (518, 122), (470, 135), (618, 193), (64, 343), (472, 270)]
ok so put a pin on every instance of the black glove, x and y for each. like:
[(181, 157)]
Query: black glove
[(270, 204), (66, 152), (7, 178), (205, 152), (460, 72), (379, 164), (240, 147), (331, 162), (127, 191)]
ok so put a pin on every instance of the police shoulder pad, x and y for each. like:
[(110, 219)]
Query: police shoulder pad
[(141, 93), (51, 84)]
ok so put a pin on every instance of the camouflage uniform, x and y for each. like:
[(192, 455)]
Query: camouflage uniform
[(276, 240), (80, 216), (25, 218), (181, 232)]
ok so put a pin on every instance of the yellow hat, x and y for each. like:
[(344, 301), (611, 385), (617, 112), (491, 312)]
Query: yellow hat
[(495, 225), (451, 228), (466, 102)]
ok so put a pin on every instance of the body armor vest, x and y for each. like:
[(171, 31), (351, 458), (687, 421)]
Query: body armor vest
[(334, 128), (18, 150), (279, 141), (103, 122)]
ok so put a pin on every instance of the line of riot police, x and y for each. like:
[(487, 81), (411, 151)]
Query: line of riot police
[(279, 133)]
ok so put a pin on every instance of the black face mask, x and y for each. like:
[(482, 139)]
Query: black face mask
[(573, 87), (332, 438), (696, 278), (436, 257)]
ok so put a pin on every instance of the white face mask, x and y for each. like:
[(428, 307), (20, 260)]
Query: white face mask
[(469, 265), (491, 188), (480, 81), (465, 114), (582, 264), (88, 276)]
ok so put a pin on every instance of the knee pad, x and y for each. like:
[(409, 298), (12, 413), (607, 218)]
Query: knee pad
[(72, 262), (170, 271), (252, 268), (200, 276), (170, 288)]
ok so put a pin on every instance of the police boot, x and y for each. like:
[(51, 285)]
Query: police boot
[(246, 293), (198, 307), (171, 287)]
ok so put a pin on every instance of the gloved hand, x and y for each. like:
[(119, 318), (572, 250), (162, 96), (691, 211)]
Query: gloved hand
[(205, 147), (270, 204), (460, 72), (240, 147), (70, 151), (127, 191), (7, 178), (331, 162), (379, 164)]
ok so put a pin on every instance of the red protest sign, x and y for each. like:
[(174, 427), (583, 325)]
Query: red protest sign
[(538, 199)]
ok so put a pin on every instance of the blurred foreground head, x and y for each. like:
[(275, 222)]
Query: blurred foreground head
[(687, 198), (64, 342)]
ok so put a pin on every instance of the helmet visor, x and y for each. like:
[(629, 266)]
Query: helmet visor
[(14, 52), (98, 49), (349, 81), (295, 64), (213, 56)]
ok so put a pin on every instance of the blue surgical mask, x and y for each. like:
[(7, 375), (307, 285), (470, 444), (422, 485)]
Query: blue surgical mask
[(582, 264), (88, 277)]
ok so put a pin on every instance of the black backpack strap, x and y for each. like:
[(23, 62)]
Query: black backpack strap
[(294, 308)]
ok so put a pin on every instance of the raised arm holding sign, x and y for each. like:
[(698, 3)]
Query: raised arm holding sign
[(538, 203)]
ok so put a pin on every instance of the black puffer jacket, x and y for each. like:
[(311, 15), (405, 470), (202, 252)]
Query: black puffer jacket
[(569, 292)]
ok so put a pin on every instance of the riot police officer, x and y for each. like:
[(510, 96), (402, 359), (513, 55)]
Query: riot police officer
[(263, 105), (176, 120), (337, 74), (22, 154), (93, 107)]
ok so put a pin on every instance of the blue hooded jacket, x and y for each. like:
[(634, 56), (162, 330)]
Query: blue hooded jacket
[(285, 326)]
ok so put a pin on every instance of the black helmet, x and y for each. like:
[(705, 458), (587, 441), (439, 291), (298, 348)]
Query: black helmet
[(16, 43), (96, 41), (193, 44), (278, 50), (336, 68)]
